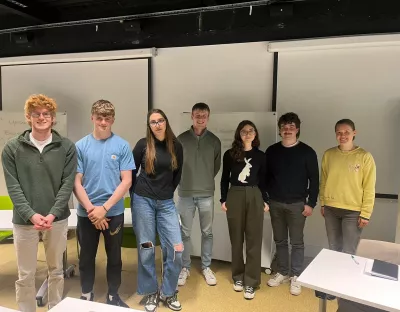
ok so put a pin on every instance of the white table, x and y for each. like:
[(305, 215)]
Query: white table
[(72, 304), (337, 274), (2, 309), (69, 271)]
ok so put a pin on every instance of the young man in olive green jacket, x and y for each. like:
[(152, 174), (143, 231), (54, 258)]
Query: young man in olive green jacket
[(39, 169)]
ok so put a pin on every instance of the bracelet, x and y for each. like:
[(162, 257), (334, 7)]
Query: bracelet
[(105, 208)]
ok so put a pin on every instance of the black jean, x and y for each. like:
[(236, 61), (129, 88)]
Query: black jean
[(288, 218), (88, 238)]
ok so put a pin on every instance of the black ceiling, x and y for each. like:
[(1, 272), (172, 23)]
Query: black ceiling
[(59, 26)]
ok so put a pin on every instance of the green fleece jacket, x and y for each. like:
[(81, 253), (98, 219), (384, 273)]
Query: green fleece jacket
[(39, 182), (201, 163)]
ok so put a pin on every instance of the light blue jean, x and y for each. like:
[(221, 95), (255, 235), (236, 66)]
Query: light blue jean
[(187, 208), (148, 216)]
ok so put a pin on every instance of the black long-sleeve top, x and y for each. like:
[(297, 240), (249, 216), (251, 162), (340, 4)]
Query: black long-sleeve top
[(163, 183), (250, 172), (292, 173)]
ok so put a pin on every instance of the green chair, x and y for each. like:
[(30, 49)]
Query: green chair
[(5, 204)]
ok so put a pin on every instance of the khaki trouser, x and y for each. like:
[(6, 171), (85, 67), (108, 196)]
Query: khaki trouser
[(26, 240)]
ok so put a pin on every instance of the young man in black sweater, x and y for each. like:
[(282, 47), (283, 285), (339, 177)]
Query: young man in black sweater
[(292, 180)]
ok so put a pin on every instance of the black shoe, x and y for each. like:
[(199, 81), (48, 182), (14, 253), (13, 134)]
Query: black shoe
[(91, 297), (116, 301), (151, 304), (172, 302)]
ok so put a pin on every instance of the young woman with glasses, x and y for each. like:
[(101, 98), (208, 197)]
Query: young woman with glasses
[(160, 158), (245, 202)]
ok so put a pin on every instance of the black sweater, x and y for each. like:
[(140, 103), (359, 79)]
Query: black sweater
[(239, 174), (292, 173), (163, 183)]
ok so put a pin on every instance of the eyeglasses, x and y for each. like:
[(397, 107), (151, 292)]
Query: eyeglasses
[(44, 114), (159, 122), (244, 132)]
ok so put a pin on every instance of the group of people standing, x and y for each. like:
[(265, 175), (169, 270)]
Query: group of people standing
[(42, 169)]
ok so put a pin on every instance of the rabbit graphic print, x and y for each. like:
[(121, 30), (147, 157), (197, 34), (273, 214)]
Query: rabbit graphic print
[(245, 171)]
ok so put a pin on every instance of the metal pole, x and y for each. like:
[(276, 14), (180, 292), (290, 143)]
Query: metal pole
[(141, 16), (322, 305)]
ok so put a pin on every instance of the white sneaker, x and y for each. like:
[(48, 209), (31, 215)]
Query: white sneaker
[(210, 277), (185, 273), (238, 286), (295, 288), (248, 293), (277, 280)]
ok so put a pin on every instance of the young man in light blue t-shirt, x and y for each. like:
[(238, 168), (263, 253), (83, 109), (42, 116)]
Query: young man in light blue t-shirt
[(104, 175)]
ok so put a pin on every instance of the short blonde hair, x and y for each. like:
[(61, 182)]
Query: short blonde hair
[(36, 101), (103, 108)]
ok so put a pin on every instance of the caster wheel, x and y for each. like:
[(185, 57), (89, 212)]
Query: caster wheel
[(268, 271), (40, 302)]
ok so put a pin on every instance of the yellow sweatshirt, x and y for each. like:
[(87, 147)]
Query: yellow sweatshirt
[(348, 180)]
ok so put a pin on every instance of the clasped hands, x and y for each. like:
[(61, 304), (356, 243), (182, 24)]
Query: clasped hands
[(97, 215), (42, 223)]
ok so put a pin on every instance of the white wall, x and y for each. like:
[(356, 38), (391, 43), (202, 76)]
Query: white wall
[(230, 78), (323, 86)]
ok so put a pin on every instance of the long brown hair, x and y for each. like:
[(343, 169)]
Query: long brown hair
[(237, 151), (170, 138)]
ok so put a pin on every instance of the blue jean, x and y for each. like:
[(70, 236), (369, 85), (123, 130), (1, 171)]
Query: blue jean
[(148, 216), (187, 208)]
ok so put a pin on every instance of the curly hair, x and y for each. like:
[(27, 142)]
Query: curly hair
[(237, 151), (36, 101), (103, 108)]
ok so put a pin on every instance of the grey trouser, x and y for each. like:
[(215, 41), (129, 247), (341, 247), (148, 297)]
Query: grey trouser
[(284, 218), (342, 229)]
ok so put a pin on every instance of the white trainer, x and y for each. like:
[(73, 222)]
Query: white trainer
[(248, 293), (238, 286), (277, 280), (185, 273), (210, 277), (295, 288)]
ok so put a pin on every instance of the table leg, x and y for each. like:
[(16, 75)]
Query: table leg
[(322, 305), (42, 292), (69, 271)]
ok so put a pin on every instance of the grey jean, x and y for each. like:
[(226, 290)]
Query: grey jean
[(284, 218), (342, 229), (187, 208)]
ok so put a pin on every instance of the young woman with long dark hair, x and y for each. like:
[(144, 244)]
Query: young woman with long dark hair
[(245, 202), (160, 158)]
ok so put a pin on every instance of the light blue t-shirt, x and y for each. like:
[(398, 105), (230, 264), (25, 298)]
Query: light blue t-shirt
[(101, 163)]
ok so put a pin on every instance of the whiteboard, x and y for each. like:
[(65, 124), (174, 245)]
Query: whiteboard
[(360, 84), (11, 125), (223, 125), (76, 86)]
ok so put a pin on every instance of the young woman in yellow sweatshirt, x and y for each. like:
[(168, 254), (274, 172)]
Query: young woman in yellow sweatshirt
[(347, 189)]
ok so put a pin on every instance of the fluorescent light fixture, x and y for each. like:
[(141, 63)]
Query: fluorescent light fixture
[(79, 57), (335, 43)]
